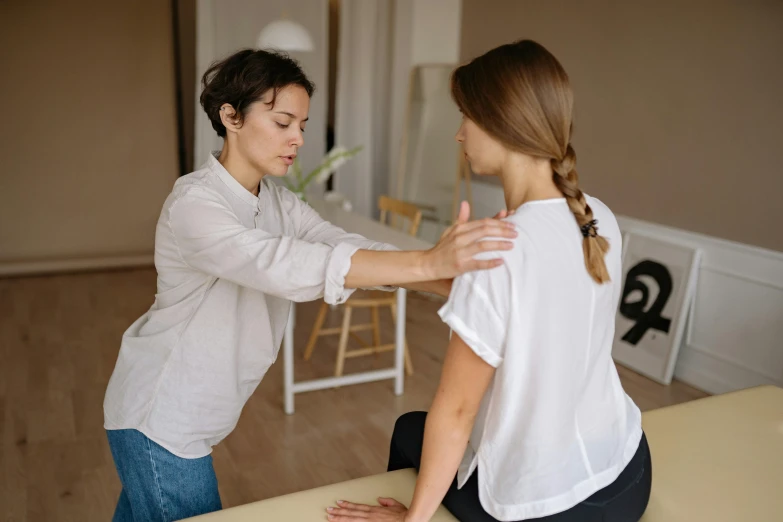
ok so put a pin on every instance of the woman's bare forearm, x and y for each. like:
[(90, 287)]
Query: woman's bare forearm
[(464, 381), (453, 255), (445, 440), (370, 268)]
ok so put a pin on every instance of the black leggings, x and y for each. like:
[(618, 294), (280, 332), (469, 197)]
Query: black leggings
[(624, 500)]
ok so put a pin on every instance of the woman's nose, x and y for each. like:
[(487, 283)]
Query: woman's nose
[(460, 136), (298, 139)]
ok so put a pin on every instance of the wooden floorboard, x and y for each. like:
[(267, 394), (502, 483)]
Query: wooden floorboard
[(59, 338)]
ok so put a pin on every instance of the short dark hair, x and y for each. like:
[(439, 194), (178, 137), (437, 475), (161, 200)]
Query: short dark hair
[(243, 78)]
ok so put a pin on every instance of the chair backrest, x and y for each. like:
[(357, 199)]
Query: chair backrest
[(395, 207)]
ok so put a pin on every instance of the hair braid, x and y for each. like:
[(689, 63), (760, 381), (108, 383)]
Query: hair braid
[(594, 246)]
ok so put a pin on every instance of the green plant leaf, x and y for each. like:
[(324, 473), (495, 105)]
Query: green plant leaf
[(328, 163)]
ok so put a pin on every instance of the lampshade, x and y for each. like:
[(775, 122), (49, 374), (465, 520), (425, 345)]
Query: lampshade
[(285, 35)]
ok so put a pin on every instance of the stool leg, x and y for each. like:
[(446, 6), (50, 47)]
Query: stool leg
[(319, 322), (408, 361), (376, 328), (338, 369)]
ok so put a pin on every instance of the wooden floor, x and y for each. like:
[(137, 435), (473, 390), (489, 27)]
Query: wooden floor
[(59, 338)]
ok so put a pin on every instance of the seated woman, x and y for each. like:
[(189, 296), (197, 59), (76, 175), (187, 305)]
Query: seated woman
[(530, 415)]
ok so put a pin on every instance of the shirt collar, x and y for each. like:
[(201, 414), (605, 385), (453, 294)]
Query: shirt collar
[(241, 192)]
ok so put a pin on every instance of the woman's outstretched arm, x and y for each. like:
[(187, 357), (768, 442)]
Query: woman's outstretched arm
[(464, 380), (411, 268), (452, 256), (207, 236)]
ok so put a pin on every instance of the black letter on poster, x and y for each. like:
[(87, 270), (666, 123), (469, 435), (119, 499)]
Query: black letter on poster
[(635, 310)]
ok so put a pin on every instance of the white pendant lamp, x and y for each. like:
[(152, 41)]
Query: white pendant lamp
[(285, 35)]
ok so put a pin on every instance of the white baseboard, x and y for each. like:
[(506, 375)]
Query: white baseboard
[(703, 370), (736, 338), (22, 268)]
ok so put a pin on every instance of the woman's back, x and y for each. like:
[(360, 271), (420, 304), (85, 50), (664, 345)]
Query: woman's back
[(555, 425)]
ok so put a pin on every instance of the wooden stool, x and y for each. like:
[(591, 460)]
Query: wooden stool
[(370, 299)]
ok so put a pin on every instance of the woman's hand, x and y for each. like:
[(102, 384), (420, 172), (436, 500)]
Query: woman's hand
[(453, 255), (389, 511)]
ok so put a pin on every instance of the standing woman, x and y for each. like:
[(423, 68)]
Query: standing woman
[(232, 251), (530, 420)]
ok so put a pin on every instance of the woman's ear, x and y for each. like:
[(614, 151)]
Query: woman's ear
[(229, 117)]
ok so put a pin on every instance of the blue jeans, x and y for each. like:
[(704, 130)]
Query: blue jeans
[(158, 486)]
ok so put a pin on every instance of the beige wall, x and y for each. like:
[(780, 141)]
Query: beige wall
[(89, 147), (679, 118)]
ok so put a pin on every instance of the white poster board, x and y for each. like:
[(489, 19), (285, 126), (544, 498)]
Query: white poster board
[(657, 291)]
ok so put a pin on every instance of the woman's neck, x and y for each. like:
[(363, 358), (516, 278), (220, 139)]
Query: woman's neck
[(240, 169), (527, 179)]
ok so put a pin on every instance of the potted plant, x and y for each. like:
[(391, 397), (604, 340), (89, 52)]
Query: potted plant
[(297, 183)]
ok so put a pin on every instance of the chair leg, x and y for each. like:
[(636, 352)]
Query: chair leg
[(376, 328), (338, 369), (319, 322), (408, 361)]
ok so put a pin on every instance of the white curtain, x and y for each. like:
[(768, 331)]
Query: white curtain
[(362, 100), (205, 138)]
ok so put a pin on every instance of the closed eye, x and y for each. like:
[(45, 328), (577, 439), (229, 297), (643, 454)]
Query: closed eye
[(286, 125)]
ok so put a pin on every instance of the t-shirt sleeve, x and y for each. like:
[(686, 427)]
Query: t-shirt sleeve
[(477, 310)]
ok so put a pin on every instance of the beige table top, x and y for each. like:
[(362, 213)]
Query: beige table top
[(718, 459), (369, 228), (311, 504)]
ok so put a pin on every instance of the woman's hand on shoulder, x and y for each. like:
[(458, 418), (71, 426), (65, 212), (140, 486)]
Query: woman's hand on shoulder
[(454, 253)]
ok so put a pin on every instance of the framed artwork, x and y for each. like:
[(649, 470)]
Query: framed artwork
[(658, 288)]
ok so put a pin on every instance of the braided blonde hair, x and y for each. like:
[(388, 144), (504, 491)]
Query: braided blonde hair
[(521, 95), (593, 245)]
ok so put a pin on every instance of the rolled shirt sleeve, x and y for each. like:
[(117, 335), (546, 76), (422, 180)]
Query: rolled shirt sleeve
[(210, 238), (313, 228)]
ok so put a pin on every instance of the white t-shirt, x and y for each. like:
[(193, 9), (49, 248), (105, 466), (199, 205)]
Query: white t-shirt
[(229, 264), (555, 425)]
